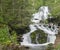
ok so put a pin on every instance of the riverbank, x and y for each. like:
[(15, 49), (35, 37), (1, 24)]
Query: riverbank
[(57, 42), (13, 47)]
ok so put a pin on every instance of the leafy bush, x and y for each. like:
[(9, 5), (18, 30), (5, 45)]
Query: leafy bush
[(4, 35), (42, 37), (13, 37)]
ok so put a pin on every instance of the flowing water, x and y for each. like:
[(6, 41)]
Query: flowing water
[(42, 14)]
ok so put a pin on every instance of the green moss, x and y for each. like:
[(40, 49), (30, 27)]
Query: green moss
[(42, 36)]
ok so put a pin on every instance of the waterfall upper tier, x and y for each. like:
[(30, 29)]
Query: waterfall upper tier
[(42, 14)]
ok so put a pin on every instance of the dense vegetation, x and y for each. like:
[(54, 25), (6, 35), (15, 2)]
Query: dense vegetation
[(4, 37)]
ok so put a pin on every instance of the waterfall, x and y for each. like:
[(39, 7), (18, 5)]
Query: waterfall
[(41, 15), (37, 36)]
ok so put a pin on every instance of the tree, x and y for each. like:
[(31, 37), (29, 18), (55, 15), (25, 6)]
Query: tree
[(17, 13)]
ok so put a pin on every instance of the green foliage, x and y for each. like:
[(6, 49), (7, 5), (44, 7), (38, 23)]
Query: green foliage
[(18, 11), (57, 47), (4, 35), (42, 36), (58, 19), (54, 6), (13, 37), (50, 47)]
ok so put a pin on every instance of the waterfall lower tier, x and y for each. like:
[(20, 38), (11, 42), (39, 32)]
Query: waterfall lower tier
[(27, 40)]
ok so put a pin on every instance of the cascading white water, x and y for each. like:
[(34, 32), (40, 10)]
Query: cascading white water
[(37, 36), (42, 14)]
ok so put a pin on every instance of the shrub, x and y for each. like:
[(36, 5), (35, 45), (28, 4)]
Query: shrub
[(4, 35), (42, 37)]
